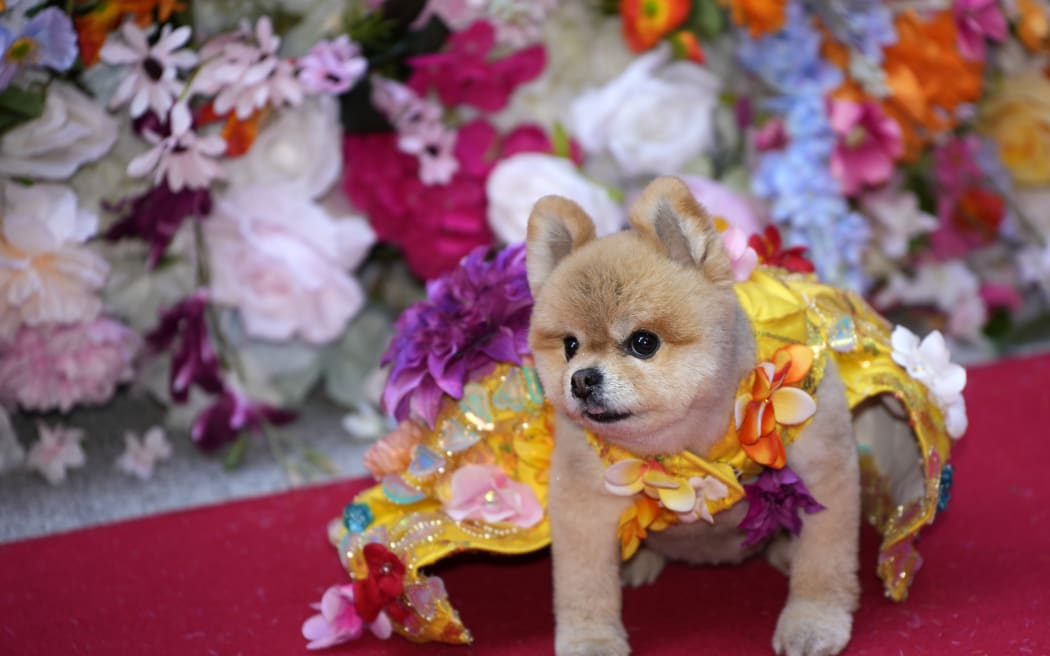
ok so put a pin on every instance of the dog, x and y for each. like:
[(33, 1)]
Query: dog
[(639, 338)]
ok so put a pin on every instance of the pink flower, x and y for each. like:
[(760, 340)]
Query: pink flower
[(338, 621), (421, 131), (140, 456), (182, 159), (60, 366), (740, 210), (486, 492), (463, 75), (976, 20), (153, 82), (772, 136), (332, 67), (479, 146), (868, 144), (57, 450), (743, 258)]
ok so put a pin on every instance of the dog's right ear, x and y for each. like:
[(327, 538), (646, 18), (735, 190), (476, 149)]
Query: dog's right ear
[(557, 227)]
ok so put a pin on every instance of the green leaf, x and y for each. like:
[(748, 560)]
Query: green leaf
[(560, 141), (18, 106), (235, 454), (709, 19)]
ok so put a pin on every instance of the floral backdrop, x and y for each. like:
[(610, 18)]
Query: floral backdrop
[(228, 203)]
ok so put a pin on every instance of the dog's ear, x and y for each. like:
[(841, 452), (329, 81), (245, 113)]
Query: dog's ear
[(668, 217), (557, 226)]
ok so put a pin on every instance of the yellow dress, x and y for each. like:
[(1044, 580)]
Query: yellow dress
[(503, 420)]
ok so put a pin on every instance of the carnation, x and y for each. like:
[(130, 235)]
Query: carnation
[(58, 367), (473, 317)]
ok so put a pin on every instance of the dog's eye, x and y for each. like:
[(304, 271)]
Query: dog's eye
[(571, 345), (642, 344)]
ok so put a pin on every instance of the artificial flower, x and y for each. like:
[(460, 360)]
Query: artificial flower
[(630, 476), (352, 375), (156, 216), (722, 201), (47, 275), (392, 453), (929, 362), (139, 294), (516, 183), (708, 488), (182, 159), (141, 455), (742, 256), (774, 401), (245, 78), (332, 67), (769, 247), (71, 132), (1033, 264), (687, 46), (645, 22), (58, 366), (485, 492), (473, 317), (898, 218), (12, 454), (868, 146), (99, 19), (380, 587), (758, 16), (643, 516), (338, 621), (57, 450), (975, 21), (421, 131), (299, 149), (1014, 117), (195, 361), (46, 40), (463, 74), (229, 415), (950, 287), (772, 135), (152, 83), (285, 277), (775, 499), (480, 146), (1033, 24), (617, 117)]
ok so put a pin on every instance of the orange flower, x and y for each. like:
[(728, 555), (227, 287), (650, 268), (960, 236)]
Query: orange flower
[(92, 28), (772, 403), (758, 16), (979, 212), (645, 515), (392, 453), (1033, 25), (687, 46), (645, 22)]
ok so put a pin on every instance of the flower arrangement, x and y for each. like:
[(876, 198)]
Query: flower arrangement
[(231, 212)]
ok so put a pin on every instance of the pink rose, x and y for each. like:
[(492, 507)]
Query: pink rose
[(486, 492), (739, 210)]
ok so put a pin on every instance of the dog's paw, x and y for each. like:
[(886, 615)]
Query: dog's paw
[(812, 628), (642, 569), (603, 644)]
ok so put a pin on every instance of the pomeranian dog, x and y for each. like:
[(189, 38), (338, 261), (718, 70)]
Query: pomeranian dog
[(639, 338)]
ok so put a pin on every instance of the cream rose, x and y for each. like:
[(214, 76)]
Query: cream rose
[(518, 182), (285, 263), (73, 130), (652, 119), (1017, 117)]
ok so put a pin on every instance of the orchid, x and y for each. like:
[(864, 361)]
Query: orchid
[(229, 415), (182, 159), (152, 83), (156, 216), (485, 492), (195, 361), (774, 502), (141, 455), (57, 450)]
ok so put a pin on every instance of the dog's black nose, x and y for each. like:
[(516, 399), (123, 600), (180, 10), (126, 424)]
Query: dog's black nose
[(584, 381)]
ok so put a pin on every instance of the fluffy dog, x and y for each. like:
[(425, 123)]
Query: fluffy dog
[(639, 338)]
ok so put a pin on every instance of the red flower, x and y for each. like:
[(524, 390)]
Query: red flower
[(979, 213), (770, 251), (382, 588), (645, 22)]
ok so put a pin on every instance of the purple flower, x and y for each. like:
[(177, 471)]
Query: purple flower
[(46, 40), (194, 361), (156, 216), (332, 67), (230, 414), (775, 499), (474, 316)]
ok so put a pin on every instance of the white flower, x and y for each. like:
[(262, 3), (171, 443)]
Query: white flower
[(72, 131), (46, 274), (652, 119), (708, 488), (517, 182), (300, 149), (929, 362), (140, 456), (11, 452), (899, 218), (138, 294), (57, 449), (182, 158), (153, 81), (951, 287), (1033, 264)]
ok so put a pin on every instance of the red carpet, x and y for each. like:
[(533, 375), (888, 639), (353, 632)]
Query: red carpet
[(238, 578)]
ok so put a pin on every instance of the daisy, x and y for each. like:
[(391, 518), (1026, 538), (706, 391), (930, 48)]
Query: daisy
[(185, 159), (153, 81), (332, 67)]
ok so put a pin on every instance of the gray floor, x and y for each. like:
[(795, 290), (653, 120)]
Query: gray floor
[(98, 493)]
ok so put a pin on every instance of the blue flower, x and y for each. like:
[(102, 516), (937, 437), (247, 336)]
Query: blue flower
[(47, 40), (357, 517), (863, 25)]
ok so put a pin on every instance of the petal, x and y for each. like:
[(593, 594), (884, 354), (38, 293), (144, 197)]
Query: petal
[(792, 406), (750, 428), (662, 480), (626, 474), (739, 408), (801, 362), (679, 499), (768, 451)]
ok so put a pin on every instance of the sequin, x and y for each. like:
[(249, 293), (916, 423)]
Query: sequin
[(357, 517), (946, 487), (424, 461), (399, 491)]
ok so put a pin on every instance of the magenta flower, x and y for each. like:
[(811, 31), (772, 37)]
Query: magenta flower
[(338, 621), (975, 21), (473, 317), (772, 136), (869, 142), (479, 146), (194, 362), (463, 74), (58, 366), (775, 499), (332, 67), (222, 421), (156, 215), (485, 492)]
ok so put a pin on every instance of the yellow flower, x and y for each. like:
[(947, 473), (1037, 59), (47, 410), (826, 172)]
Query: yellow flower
[(1017, 117)]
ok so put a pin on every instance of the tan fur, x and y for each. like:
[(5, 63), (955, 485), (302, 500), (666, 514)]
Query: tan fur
[(670, 277)]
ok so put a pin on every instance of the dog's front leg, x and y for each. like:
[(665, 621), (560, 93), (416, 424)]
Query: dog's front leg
[(818, 617), (585, 550)]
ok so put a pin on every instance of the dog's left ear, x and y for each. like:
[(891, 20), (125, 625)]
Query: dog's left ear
[(668, 217), (557, 227)]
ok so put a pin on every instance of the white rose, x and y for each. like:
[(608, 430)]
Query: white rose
[(516, 183), (72, 130), (301, 150), (285, 263), (652, 119)]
